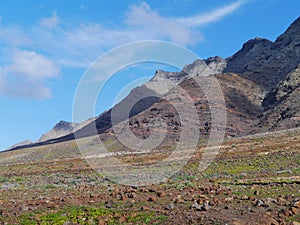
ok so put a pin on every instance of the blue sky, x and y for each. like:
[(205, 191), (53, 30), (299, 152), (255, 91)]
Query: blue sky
[(46, 46)]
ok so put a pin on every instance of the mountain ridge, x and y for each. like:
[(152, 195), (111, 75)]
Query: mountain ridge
[(262, 74)]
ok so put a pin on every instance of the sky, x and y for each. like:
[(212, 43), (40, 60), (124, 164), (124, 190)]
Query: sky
[(47, 45)]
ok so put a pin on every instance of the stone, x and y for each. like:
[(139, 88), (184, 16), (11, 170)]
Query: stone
[(256, 192), (274, 222), (178, 199), (237, 222), (131, 195), (123, 197), (285, 212), (295, 211), (131, 202), (281, 201), (196, 206), (161, 194), (271, 200), (92, 195), (211, 203), (230, 199), (252, 198), (122, 219), (109, 204), (170, 206), (203, 196), (244, 197), (152, 199), (296, 204), (260, 203), (145, 208), (199, 201), (205, 206), (25, 208)]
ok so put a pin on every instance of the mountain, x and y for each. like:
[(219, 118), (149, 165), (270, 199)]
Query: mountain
[(20, 144), (260, 83), (60, 129), (63, 128)]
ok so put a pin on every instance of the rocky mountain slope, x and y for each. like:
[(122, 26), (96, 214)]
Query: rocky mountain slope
[(260, 83), (63, 128), (20, 144), (60, 129)]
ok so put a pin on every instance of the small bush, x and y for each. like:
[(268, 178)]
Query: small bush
[(3, 179)]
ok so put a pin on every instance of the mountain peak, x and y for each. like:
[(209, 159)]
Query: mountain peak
[(255, 44), (295, 25), (63, 124), (291, 37), (209, 66)]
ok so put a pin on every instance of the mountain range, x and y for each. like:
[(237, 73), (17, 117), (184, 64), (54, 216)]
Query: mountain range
[(260, 84)]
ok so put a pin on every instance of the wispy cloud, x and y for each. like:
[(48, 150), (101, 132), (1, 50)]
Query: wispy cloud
[(53, 43), (211, 16), (145, 23), (50, 22), (13, 35)]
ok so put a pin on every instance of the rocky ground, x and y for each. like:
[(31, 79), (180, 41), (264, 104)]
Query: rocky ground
[(254, 180)]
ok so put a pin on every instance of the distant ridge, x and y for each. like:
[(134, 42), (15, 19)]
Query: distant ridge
[(261, 85)]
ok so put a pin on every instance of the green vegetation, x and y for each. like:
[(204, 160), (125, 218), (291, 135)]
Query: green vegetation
[(267, 165), (90, 215), (3, 179)]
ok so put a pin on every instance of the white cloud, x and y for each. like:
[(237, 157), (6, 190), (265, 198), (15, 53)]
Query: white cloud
[(26, 75), (146, 23), (50, 22), (13, 35), (211, 16), (32, 65), (78, 46), (71, 45)]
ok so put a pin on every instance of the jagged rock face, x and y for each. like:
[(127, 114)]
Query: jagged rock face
[(283, 104), (259, 62), (242, 102), (290, 38), (289, 84), (285, 87), (265, 62), (210, 66), (260, 86), (282, 116), (214, 65), (252, 56), (161, 75)]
